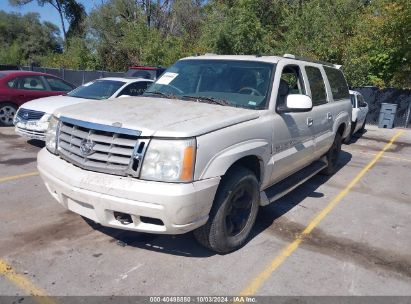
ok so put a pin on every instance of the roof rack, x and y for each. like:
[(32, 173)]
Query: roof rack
[(291, 56)]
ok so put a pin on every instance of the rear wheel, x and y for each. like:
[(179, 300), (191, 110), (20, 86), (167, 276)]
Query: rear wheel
[(233, 213), (7, 112), (332, 156)]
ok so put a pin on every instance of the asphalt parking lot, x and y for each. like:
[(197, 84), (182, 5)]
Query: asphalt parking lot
[(344, 235)]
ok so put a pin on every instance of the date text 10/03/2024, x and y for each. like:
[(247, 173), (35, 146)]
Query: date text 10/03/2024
[(202, 299)]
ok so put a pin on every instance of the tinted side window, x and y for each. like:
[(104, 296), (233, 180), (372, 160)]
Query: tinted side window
[(135, 89), (291, 83), (31, 83), (58, 84), (316, 81), (361, 101), (338, 84)]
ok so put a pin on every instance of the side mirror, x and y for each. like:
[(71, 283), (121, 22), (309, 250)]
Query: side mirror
[(298, 103)]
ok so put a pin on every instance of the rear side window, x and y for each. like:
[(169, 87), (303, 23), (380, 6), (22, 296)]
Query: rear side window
[(338, 83), (361, 101), (135, 89), (58, 84), (316, 81), (31, 83)]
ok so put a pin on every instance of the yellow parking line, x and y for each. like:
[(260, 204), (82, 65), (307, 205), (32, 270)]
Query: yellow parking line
[(22, 282), (9, 178), (262, 277)]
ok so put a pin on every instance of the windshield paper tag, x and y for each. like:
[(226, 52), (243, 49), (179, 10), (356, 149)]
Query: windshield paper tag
[(167, 78)]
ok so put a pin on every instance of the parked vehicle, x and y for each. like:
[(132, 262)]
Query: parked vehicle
[(146, 72), (18, 87), (359, 114), (214, 138), (33, 117)]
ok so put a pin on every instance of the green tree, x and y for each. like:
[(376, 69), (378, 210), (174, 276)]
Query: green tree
[(234, 28), (320, 29), (70, 10), (24, 39), (380, 51)]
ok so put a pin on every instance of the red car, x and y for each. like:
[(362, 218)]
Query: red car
[(18, 87)]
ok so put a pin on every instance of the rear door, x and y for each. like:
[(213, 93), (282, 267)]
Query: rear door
[(323, 113), (363, 110), (30, 87)]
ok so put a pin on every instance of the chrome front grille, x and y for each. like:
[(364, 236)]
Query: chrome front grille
[(101, 148), (25, 114)]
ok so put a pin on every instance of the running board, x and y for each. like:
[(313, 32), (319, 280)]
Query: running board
[(287, 185)]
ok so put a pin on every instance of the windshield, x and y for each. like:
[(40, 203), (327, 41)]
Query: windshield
[(234, 83), (98, 89)]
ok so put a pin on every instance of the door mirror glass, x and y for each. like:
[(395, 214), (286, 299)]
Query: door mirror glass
[(298, 103)]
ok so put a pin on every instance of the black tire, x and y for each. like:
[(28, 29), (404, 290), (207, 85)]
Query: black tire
[(7, 112), (233, 213), (348, 138), (332, 156)]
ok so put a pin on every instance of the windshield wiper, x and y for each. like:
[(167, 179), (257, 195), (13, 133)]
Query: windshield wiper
[(160, 94), (205, 99)]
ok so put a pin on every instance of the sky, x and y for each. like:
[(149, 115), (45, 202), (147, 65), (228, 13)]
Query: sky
[(47, 12)]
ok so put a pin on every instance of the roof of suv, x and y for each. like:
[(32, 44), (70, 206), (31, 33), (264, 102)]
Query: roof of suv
[(270, 59)]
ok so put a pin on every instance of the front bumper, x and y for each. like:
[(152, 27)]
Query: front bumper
[(31, 134), (180, 207)]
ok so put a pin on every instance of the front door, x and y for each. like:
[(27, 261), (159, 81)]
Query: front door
[(293, 138)]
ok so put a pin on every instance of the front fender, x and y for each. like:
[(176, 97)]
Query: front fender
[(222, 161)]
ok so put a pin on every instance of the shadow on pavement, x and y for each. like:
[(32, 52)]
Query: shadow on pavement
[(36, 143), (186, 245)]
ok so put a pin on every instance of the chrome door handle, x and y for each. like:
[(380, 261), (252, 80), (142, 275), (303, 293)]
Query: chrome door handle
[(329, 116), (310, 121)]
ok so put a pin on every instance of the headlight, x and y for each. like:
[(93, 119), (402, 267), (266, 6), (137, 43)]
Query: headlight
[(43, 123), (169, 160), (51, 135)]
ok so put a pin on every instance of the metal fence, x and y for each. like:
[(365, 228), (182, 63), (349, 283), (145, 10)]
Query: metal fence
[(375, 97), (76, 77)]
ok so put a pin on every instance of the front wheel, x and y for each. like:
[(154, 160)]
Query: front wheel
[(233, 213), (332, 156), (7, 112)]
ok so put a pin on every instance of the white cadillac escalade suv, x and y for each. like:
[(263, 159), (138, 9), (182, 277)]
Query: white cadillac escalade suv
[(207, 144)]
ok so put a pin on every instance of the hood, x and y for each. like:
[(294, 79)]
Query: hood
[(52, 103), (160, 116)]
